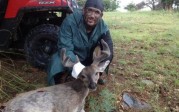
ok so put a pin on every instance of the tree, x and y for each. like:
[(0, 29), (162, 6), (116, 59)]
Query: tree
[(114, 4), (161, 4), (110, 5), (176, 2), (131, 7), (140, 5), (152, 4), (107, 4), (167, 4), (81, 3)]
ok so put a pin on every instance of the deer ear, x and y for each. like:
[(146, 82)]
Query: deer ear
[(102, 66), (66, 61)]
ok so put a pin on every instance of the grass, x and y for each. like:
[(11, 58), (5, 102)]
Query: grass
[(104, 102), (146, 47), (16, 76)]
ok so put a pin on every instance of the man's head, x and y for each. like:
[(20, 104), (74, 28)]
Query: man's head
[(93, 11), (98, 4)]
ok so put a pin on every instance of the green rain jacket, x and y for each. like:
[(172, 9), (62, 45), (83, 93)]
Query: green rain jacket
[(74, 38)]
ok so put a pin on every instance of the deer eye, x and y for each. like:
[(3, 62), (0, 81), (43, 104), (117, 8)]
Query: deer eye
[(82, 76), (97, 73)]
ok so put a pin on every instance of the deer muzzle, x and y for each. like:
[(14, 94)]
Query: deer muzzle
[(92, 86)]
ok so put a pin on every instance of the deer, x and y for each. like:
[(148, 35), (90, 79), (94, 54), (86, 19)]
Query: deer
[(66, 97)]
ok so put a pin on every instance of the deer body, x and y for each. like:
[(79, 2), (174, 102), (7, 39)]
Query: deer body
[(67, 97), (59, 98)]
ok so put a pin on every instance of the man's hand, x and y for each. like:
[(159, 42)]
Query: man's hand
[(77, 68)]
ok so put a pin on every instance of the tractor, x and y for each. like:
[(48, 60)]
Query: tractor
[(33, 26)]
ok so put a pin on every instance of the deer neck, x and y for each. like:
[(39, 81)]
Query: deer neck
[(79, 86)]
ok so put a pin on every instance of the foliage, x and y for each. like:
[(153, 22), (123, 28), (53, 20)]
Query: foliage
[(81, 3), (131, 7), (153, 4), (107, 4), (111, 5), (176, 2), (167, 4), (159, 4), (167, 1)]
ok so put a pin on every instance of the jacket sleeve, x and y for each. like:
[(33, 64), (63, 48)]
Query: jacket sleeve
[(65, 39), (107, 38)]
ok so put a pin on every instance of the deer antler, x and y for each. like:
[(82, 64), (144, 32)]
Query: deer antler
[(66, 61), (102, 54)]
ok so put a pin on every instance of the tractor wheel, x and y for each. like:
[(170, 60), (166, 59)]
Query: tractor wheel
[(40, 44)]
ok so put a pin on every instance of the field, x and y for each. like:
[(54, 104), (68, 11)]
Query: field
[(145, 65)]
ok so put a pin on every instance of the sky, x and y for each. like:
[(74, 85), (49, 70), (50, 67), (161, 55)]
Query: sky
[(124, 3)]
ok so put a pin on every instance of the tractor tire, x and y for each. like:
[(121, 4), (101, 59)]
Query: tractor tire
[(40, 44)]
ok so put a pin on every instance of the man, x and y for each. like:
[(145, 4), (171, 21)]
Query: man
[(80, 33)]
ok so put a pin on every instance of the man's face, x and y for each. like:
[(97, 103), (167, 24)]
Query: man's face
[(92, 16)]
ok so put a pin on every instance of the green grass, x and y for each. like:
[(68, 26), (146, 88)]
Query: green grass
[(104, 102), (146, 47)]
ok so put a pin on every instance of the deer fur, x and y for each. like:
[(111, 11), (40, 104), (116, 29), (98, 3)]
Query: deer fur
[(67, 97)]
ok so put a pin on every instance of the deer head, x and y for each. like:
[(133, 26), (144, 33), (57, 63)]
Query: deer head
[(90, 74)]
